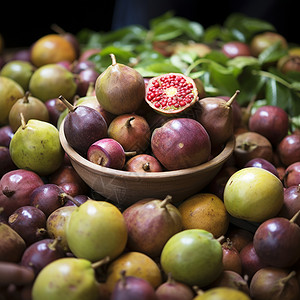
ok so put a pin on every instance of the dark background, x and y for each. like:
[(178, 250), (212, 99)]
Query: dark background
[(23, 22)]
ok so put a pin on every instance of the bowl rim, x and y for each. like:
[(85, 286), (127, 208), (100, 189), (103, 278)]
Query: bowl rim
[(212, 163)]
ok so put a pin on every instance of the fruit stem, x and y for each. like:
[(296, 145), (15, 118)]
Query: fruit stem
[(230, 101), (65, 196), (123, 277), (284, 280), (170, 278), (130, 153), (146, 166), (113, 59), (66, 103), (165, 201), (221, 238), (57, 29), (128, 122), (52, 245), (294, 218), (7, 192), (23, 122), (101, 262), (25, 98), (197, 290)]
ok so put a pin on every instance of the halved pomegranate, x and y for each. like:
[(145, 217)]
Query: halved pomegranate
[(171, 93)]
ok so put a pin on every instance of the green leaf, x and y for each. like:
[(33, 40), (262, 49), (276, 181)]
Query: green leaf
[(156, 69), (240, 62), (272, 54)]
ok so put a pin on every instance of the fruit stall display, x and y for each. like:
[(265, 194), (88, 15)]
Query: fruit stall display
[(152, 101)]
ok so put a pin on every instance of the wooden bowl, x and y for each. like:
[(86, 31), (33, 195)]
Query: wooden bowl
[(125, 188)]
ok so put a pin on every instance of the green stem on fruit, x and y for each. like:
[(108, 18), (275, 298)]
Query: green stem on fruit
[(229, 102), (294, 218), (66, 103), (284, 280), (65, 196), (113, 59), (90, 89), (170, 278), (23, 122), (101, 262), (52, 245), (165, 201)]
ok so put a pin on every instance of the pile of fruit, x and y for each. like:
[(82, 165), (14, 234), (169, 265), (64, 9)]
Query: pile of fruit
[(155, 100)]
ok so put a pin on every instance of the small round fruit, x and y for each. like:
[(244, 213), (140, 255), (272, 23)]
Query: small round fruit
[(205, 211), (235, 48), (96, 229), (193, 256), (222, 293), (51, 81), (253, 194), (52, 48)]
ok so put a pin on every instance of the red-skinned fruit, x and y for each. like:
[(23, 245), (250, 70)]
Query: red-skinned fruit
[(181, 143), (262, 163), (145, 218), (291, 203), (239, 237), (277, 241), (6, 135), (249, 145), (289, 149), (251, 263), (292, 175), (120, 89), (171, 93), (174, 290), (143, 163), (274, 283), (15, 189), (108, 153), (133, 288), (231, 257), (235, 48), (270, 121), (5, 161), (131, 131)]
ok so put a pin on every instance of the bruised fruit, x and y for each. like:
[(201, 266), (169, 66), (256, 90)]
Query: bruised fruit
[(36, 146), (253, 194), (193, 256), (171, 93), (181, 143), (120, 89)]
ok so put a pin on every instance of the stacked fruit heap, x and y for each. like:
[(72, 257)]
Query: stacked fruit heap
[(60, 240)]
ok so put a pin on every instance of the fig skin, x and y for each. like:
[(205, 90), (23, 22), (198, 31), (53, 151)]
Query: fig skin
[(120, 89), (181, 143), (274, 284), (277, 242), (131, 131)]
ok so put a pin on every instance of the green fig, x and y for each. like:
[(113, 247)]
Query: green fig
[(120, 89), (66, 278), (52, 80), (20, 71), (96, 229), (10, 92), (31, 107), (36, 146)]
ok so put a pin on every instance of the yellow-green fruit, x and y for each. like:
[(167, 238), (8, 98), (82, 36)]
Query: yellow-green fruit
[(10, 92), (36, 146), (193, 256), (50, 81), (96, 229), (66, 278), (19, 71), (253, 194), (222, 293)]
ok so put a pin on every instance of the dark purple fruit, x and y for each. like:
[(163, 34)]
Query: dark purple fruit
[(83, 126), (292, 175), (84, 79), (6, 134), (277, 242), (41, 253), (5, 161), (262, 163), (55, 108), (289, 149), (47, 198), (30, 223)]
